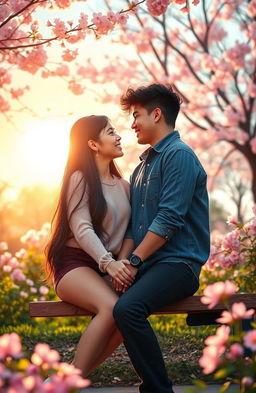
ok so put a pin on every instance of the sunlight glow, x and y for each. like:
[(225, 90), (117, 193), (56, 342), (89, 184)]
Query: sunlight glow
[(45, 147)]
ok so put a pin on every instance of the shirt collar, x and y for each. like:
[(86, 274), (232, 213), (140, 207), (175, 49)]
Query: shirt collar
[(160, 146)]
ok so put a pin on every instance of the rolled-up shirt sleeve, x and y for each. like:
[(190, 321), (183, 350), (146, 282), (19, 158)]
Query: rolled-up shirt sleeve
[(80, 219), (179, 178)]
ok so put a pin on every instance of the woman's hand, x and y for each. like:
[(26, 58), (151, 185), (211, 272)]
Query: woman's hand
[(120, 272), (123, 287)]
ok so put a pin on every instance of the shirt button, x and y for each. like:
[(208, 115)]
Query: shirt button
[(140, 226), (148, 164), (144, 184), (142, 205)]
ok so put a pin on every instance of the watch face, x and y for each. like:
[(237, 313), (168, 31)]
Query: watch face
[(135, 260)]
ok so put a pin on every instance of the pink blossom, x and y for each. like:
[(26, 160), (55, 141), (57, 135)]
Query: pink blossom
[(29, 282), (33, 290), (251, 8), (13, 262), (122, 19), (69, 55), (220, 339), (43, 354), (63, 3), (17, 275), (254, 207), (157, 7), (16, 93), (247, 381), (102, 23), (231, 241), (4, 105), (76, 88), (232, 221), (238, 312), (83, 21), (34, 60), (21, 254), (3, 246), (59, 28), (250, 340), (236, 350), (43, 290), (7, 268), (10, 345), (210, 359), (236, 55), (250, 227), (23, 294), (218, 292), (185, 10)]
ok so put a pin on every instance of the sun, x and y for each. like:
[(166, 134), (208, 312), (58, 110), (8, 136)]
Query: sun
[(45, 146)]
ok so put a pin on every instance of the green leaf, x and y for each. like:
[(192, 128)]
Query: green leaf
[(222, 373), (200, 384)]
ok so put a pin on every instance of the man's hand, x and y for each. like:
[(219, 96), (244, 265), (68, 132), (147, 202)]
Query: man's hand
[(122, 287)]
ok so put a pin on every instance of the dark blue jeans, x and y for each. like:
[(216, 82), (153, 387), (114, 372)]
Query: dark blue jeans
[(160, 285)]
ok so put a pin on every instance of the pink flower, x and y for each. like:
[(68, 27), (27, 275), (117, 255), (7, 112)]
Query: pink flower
[(254, 207), (220, 339), (59, 28), (63, 3), (23, 294), (3, 246), (21, 254), (43, 290), (218, 292), (83, 21), (232, 221), (10, 345), (238, 312), (247, 381), (236, 350), (69, 55), (210, 359), (43, 354), (157, 7), (75, 87), (17, 275), (250, 340)]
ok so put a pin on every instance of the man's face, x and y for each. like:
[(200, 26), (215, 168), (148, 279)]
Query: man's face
[(143, 125)]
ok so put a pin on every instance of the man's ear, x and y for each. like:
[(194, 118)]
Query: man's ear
[(93, 145), (157, 113)]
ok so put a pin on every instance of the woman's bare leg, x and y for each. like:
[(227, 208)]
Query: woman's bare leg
[(85, 288)]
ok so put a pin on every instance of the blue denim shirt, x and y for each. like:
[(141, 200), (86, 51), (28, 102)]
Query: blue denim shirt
[(169, 197)]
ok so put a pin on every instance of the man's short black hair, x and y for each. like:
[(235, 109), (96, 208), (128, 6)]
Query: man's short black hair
[(154, 96)]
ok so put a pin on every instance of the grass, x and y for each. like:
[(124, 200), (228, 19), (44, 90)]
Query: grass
[(181, 345)]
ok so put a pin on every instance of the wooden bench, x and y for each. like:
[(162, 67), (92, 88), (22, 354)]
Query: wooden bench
[(198, 313)]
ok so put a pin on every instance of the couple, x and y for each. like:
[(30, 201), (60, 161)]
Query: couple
[(150, 237)]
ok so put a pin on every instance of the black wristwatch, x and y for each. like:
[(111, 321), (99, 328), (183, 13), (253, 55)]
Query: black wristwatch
[(135, 260)]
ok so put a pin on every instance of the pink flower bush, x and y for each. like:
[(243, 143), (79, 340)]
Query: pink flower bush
[(21, 277), (27, 377), (233, 252), (224, 353)]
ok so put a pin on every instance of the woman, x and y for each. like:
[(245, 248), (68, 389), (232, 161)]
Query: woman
[(90, 222)]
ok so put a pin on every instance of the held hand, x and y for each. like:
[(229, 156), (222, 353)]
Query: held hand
[(120, 272)]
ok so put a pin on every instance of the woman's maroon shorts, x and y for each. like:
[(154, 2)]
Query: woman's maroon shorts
[(72, 258)]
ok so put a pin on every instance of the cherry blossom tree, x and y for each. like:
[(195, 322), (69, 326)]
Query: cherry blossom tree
[(205, 49)]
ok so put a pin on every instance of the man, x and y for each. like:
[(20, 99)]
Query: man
[(169, 234)]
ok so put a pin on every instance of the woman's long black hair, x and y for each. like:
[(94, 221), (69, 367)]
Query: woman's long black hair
[(80, 158)]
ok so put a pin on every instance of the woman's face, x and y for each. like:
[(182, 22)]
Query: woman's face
[(109, 143)]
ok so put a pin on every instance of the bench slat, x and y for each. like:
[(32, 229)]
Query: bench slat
[(190, 305)]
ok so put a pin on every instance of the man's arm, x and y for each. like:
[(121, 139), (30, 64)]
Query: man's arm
[(151, 243)]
